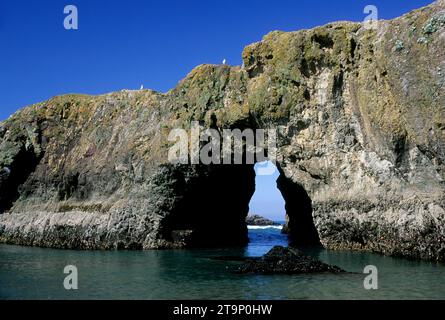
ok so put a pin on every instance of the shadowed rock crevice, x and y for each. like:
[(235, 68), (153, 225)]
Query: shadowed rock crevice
[(211, 207), (13, 177), (299, 225)]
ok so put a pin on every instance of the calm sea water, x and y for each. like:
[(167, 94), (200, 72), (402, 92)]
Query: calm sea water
[(36, 273)]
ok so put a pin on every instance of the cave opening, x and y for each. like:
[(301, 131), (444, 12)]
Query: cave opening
[(212, 206), (13, 177)]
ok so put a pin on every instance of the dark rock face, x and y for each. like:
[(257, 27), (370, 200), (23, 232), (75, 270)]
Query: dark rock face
[(282, 260), (256, 220), (195, 210), (360, 130), (299, 223)]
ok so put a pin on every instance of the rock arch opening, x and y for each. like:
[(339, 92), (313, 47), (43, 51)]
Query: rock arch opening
[(212, 203), (267, 201)]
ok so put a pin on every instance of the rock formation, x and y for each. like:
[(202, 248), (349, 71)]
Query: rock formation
[(280, 260), (256, 220), (360, 116)]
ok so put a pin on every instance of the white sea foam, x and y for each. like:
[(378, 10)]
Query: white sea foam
[(264, 227)]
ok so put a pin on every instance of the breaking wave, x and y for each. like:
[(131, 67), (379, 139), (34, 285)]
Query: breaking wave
[(264, 227)]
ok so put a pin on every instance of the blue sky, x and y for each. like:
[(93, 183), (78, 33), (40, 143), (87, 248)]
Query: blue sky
[(123, 44), (267, 200)]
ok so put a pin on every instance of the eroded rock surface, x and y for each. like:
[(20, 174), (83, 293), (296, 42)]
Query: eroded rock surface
[(360, 116)]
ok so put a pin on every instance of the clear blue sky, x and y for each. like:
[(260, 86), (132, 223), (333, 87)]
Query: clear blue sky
[(267, 200), (123, 44)]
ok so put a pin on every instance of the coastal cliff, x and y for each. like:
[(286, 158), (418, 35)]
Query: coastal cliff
[(360, 118)]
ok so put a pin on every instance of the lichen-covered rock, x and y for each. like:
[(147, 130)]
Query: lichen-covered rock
[(360, 116)]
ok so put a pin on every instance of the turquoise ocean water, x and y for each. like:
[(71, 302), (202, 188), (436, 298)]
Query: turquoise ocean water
[(37, 273)]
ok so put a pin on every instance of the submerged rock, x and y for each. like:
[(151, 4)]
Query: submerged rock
[(281, 260), (256, 220)]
